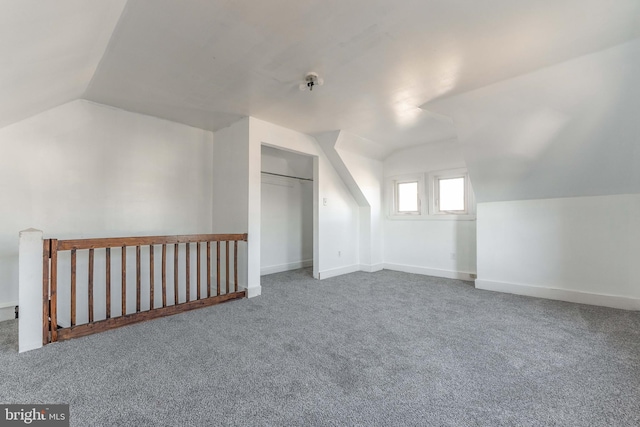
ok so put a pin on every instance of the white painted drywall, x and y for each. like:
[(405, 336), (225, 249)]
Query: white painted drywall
[(286, 229), (563, 131), (88, 170), (362, 175), (427, 157), (437, 247), (582, 249), (336, 223), (286, 162), (50, 51), (566, 136), (230, 180), (368, 174), (230, 193)]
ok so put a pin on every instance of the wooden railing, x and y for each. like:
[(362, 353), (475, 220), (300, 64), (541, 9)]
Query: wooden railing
[(207, 291)]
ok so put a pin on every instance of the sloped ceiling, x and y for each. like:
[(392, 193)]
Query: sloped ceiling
[(208, 63), (571, 129), (49, 51)]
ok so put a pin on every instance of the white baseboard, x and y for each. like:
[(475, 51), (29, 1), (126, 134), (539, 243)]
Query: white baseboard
[(285, 267), (371, 268), (7, 313), (253, 291), (8, 310), (448, 274), (614, 301), (338, 271)]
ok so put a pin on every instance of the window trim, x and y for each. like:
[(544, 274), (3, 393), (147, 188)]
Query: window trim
[(397, 185), (393, 208), (437, 193), (469, 200), (427, 193)]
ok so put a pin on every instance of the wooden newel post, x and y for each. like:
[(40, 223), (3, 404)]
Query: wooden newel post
[(30, 290)]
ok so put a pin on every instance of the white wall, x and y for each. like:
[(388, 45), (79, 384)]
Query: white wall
[(230, 192), (88, 170), (286, 233), (285, 162), (336, 223), (356, 161), (559, 146), (368, 175), (567, 130), (582, 249), (437, 247), (230, 178)]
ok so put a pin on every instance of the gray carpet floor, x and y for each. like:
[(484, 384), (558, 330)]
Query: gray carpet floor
[(369, 349)]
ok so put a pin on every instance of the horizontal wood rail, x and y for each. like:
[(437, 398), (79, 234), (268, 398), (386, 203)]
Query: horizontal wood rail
[(99, 292), (118, 242)]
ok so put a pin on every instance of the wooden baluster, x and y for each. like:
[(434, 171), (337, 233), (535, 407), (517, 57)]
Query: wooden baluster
[(123, 283), (90, 283), (138, 279), (46, 247), (198, 270), (53, 287), (227, 268), (151, 277), (188, 264), (235, 266), (49, 290), (208, 269), (164, 275), (108, 282), (175, 274), (73, 287), (218, 267)]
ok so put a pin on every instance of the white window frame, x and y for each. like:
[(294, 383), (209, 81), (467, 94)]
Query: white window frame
[(469, 200), (427, 194), (393, 193)]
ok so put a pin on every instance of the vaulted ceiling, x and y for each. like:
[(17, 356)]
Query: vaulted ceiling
[(208, 63)]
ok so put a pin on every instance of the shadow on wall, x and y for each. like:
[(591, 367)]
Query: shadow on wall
[(465, 247)]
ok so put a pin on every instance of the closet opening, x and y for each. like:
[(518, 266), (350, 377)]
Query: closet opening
[(286, 228)]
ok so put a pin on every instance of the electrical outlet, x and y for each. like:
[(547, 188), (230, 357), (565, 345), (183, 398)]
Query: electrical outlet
[(324, 201), (339, 254)]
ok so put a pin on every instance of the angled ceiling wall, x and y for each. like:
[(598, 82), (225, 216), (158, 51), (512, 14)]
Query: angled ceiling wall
[(571, 129), (50, 51), (207, 64)]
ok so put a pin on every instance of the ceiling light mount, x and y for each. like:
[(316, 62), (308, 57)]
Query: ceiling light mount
[(310, 80)]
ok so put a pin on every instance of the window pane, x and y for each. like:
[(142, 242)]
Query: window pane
[(408, 197), (451, 194)]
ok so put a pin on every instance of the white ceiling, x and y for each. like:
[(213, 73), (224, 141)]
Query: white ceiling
[(49, 51), (208, 63)]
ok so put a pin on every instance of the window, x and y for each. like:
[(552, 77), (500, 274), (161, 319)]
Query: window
[(407, 193), (448, 195), (408, 197)]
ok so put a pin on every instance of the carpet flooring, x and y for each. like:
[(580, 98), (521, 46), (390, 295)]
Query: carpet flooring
[(363, 349)]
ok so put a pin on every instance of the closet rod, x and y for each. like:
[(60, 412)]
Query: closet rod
[(287, 176)]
